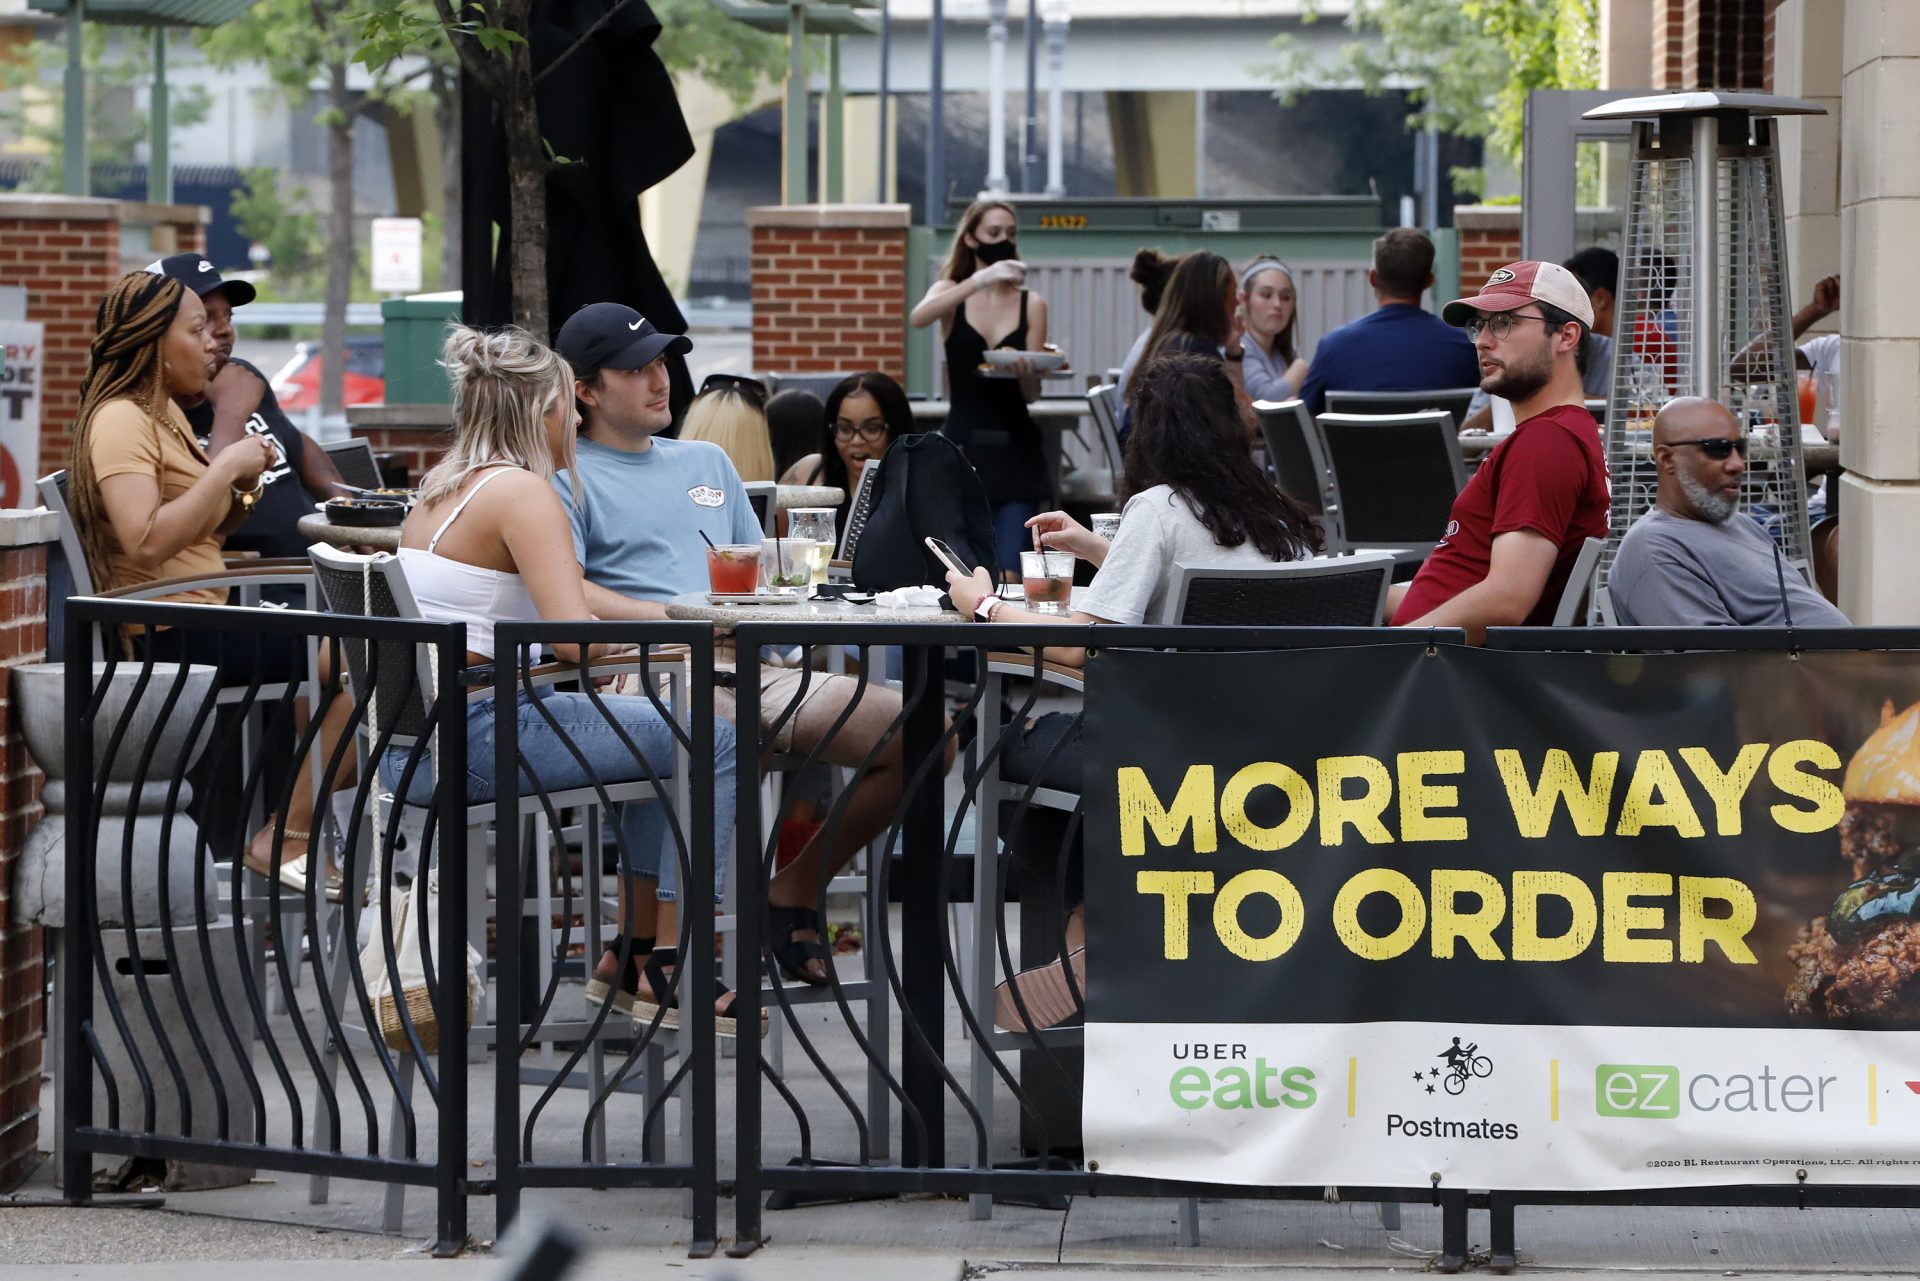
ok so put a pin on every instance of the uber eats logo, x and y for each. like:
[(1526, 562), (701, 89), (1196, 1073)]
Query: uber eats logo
[(1229, 1080), (1657, 1091)]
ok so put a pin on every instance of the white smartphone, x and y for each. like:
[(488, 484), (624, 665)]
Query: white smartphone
[(948, 557)]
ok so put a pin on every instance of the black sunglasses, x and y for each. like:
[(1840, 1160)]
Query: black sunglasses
[(752, 388), (1717, 447)]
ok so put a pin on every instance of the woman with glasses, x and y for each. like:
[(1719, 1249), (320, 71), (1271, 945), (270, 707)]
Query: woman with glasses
[(729, 412), (864, 415), (982, 304), (1270, 366)]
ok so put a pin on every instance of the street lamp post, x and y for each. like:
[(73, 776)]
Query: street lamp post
[(996, 98), (1059, 15)]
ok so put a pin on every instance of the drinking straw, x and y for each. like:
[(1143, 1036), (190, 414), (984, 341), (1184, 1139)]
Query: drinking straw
[(706, 540)]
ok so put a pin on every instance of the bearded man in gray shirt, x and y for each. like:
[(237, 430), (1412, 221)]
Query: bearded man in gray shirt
[(1694, 560)]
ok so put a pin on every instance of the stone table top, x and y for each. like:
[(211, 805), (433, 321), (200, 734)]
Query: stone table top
[(696, 607), (385, 538)]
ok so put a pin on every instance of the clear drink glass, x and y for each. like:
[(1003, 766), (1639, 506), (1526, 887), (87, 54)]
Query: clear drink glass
[(786, 565), (814, 524), (1048, 579), (1106, 524), (733, 569)]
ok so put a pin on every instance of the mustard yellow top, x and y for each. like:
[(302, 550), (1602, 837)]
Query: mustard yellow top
[(125, 441)]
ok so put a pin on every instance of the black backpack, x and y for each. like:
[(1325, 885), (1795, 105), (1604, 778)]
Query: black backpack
[(925, 487)]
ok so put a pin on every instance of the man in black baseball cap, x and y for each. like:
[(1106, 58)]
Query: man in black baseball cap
[(238, 402), (609, 335), (199, 275)]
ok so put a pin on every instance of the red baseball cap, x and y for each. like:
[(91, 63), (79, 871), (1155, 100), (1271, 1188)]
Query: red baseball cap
[(1519, 283)]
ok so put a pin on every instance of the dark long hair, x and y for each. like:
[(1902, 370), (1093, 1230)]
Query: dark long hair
[(1187, 435), (793, 425), (124, 363), (894, 408), (1198, 294)]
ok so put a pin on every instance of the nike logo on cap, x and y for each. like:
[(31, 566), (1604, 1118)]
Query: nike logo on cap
[(636, 324), (205, 265)]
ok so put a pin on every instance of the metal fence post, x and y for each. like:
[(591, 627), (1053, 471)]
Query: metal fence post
[(450, 1168), (76, 957), (922, 969), (698, 965), (509, 905), (751, 897)]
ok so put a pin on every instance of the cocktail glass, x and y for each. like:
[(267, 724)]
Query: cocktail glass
[(1048, 579), (733, 569)]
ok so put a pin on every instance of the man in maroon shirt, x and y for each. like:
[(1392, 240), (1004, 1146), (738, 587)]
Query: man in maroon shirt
[(1516, 528)]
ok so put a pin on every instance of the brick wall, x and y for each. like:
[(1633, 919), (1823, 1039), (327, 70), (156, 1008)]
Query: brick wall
[(67, 252), (1489, 240), (23, 639), (1711, 44), (829, 288), (419, 447)]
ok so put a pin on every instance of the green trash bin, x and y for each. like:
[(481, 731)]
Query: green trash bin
[(413, 330)]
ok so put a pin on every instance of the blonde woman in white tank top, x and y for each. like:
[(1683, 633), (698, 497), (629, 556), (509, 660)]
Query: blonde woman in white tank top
[(489, 542)]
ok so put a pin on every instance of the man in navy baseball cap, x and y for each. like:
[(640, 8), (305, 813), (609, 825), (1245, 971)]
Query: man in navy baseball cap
[(611, 335), (199, 275)]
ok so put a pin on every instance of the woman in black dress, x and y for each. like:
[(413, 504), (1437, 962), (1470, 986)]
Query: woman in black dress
[(981, 303)]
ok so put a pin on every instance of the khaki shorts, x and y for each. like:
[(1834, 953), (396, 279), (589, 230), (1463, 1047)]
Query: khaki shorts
[(807, 726)]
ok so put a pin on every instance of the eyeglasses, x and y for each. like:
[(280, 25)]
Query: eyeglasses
[(1499, 325), (871, 430), (1717, 447), (752, 388)]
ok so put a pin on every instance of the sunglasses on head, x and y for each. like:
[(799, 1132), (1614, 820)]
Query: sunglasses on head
[(1717, 447), (752, 388)]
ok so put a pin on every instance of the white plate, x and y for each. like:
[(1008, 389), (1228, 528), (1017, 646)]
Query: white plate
[(1042, 361)]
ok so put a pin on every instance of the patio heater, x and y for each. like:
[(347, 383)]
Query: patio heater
[(1702, 307)]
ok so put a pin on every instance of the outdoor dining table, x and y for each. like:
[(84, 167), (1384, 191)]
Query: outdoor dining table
[(317, 528), (386, 538)]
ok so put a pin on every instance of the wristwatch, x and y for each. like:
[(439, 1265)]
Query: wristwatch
[(985, 608)]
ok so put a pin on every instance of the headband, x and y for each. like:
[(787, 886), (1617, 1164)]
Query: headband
[(1259, 265)]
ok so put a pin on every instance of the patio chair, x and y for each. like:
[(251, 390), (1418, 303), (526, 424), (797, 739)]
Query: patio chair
[(398, 679), (818, 382), (1452, 399), (761, 496), (244, 579), (355, 461), (1104, 402), (1299, 459), (1340, 591), (1395, 478), (1571, 611)]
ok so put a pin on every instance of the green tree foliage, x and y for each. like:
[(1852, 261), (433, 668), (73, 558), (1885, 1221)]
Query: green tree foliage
[(1467, 65), (119, 66), (292, 235), (697, 39)]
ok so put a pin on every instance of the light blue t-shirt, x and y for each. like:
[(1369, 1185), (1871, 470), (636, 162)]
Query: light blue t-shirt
[(637, 527)]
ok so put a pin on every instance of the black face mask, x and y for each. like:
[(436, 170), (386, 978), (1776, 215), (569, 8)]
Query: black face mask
[(996, 251)]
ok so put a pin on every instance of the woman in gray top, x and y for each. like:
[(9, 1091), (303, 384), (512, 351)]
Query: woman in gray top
[(1271, 367)]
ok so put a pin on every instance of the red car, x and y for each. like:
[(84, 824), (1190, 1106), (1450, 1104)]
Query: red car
[(297, 385)]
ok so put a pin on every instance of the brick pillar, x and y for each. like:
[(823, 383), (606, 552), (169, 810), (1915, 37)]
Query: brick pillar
[(23, 639), (1710, 44), (66, 252), (829, 288), (1489, 240)]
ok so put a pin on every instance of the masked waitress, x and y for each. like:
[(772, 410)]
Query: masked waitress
[(980, 302)]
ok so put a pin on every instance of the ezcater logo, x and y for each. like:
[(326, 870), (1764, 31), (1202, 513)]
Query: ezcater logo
[(1657, 1091), (1238, 1083)]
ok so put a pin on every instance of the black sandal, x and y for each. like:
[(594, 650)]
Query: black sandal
[(792, 954), (598, 989), (668, 1007)]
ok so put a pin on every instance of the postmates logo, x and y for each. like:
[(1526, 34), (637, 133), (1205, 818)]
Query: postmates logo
[(1222, 1076), (1659, 1091)]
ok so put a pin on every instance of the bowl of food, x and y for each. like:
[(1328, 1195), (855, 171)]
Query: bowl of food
[(365, 512), (1044, 362)]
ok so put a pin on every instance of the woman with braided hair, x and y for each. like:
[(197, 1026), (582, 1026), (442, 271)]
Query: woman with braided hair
[(151, 506)]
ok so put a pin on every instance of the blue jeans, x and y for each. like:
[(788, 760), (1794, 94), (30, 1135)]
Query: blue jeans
[(546, 756)]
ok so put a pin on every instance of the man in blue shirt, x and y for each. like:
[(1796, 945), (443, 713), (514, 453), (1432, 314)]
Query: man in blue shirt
[(1397, 347), (639, 504)]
